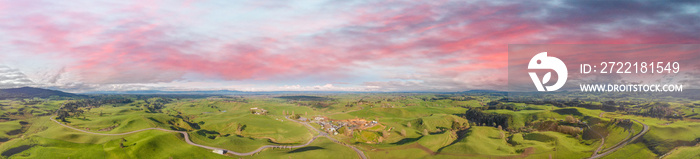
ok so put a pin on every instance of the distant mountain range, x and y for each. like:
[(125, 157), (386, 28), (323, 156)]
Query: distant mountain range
[(169, 92), (215, 92), (31, 92)]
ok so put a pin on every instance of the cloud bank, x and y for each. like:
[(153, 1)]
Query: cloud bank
[(380, 46)]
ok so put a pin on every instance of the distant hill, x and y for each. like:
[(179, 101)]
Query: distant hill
[(305, 98), (31, 92), (214, 92), (484, 91)]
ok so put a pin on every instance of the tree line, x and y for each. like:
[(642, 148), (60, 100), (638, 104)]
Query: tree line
[(481, 118), (73, 108)]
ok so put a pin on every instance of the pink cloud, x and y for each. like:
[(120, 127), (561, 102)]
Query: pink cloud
[(449, 40)]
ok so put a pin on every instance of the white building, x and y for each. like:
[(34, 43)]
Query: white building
[(220, 152)]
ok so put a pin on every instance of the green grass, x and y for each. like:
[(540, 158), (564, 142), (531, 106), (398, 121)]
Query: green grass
[(568, 147), (321, 148), (233, 142), (366, 136), (392, 111), (123, 123), (665, 135), (258, 126), (632, 150), (437, 141), (8, 126), (685, 152), (520, 117), (676, 132), (432, 123), (617, 134), (482, 140), (377, 127), (154, 144), (49, 140), (404, 151), (125, 119), (668, 130)]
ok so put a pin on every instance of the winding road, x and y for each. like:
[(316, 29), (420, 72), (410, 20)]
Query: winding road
[(622, 143), (602, 140), (187, 139)]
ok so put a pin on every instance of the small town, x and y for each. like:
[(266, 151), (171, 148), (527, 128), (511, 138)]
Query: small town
[(332, 126)]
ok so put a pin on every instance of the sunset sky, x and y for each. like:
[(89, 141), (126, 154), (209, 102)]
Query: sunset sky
[(438, 45)]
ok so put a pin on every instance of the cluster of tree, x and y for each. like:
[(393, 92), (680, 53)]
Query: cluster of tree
[(33, 101), (121, 143), (114, 100), (437, 97), (623, 123), (295, 116), (239, 128), (211, 134), (453, 97), (304, 98), (487, 119), (571, 119), (500, 105), (348, 104), (315, 104), (154, 105), (463, 98), (573, 131), (550, 125), (70, 109), (366, 102), (97, 102), (658, 110), (605, 105), (78, 107), (542, 101), (191, 124), (238, 99), (403, 132)]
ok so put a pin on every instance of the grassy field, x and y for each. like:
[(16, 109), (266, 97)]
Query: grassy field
[(616, 134), (409, 126), (151, 143), (53, 141), (482, 140), (685, 152), (632, 150), (321, 148), (7, 128)]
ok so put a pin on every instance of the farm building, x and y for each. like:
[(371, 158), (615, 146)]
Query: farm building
[(220, 152)]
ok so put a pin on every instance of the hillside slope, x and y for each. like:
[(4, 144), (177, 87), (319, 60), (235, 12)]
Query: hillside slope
[(31, 92)]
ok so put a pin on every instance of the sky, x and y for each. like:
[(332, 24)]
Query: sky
[(94, 45)]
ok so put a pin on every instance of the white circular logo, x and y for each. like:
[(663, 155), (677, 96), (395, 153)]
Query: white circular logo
[(542, 61)]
